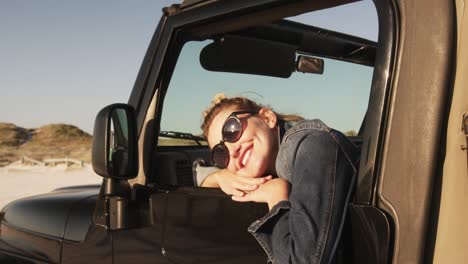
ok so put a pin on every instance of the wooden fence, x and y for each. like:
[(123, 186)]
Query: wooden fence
[(49, 162)]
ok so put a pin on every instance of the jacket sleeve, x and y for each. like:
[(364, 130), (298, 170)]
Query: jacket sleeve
[(306, 228)]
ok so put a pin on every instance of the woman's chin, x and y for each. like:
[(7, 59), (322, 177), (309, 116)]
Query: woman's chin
[(253, 170)]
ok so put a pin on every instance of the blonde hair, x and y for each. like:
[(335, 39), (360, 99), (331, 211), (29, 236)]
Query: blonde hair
[(221, 102)]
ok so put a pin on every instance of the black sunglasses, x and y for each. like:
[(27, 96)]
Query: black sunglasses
[(231, 132)]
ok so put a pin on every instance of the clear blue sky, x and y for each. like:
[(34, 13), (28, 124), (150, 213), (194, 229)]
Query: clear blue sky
[(62, 61)]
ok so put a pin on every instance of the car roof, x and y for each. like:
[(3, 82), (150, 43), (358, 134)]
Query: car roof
[(189, 4)]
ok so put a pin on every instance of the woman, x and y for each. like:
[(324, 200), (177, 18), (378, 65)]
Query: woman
[(304, 172)]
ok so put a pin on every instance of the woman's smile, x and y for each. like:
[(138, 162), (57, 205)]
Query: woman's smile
[(245, 157)]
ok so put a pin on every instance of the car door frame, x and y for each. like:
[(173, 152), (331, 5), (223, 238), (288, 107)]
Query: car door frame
[(153, 80)]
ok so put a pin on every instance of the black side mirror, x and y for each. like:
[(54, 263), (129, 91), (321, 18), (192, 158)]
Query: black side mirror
[(115, 144)]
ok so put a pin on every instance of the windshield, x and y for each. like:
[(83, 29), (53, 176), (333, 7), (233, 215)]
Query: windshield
[(339, 96)]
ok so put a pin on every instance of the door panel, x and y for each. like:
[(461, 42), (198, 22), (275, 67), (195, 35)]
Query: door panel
[(204, 225)]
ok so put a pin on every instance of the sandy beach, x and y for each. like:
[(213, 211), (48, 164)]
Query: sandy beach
[(22, 181)]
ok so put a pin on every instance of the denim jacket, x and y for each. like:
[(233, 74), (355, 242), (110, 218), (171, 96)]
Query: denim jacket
[(321, 165)]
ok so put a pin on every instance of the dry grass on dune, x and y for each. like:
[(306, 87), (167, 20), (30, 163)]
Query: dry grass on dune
[(50, 141)]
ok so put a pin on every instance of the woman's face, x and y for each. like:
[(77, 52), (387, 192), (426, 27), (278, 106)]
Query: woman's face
[(254, 154)]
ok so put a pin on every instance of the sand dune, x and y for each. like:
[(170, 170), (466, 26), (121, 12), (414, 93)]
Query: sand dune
[(22, 181)]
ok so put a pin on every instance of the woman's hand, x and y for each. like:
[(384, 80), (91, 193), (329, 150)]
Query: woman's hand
[(233, 184), (271, 192)]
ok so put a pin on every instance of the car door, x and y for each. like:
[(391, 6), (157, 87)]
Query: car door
[(205, 225), (193, 224)]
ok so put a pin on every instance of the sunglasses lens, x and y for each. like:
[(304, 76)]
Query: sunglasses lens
[(232, 130), (220, 156)]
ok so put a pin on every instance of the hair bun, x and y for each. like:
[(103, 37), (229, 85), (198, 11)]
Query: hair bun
[(218, 98)]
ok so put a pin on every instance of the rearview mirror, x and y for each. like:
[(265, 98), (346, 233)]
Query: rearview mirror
[(309, 65), (115, 151)]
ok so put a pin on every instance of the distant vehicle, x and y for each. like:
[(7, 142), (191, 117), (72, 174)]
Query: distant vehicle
[(410, 200)]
